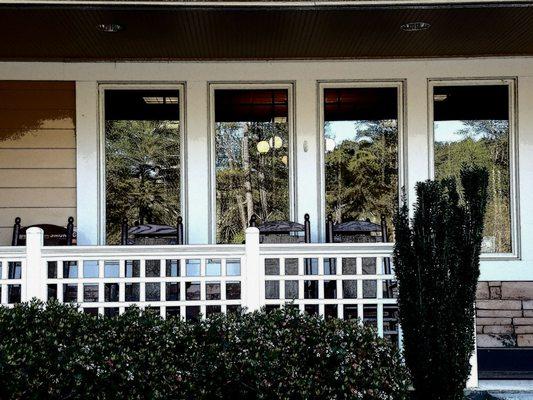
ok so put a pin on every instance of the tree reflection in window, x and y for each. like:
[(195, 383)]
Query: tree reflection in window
[(471, 126), (251, 159), (142, 157), (361, 154)]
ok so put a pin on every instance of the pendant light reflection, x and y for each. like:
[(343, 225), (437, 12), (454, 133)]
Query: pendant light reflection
[(276, 142), (263, 147)]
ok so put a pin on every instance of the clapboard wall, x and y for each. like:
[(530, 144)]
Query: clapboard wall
[(37, 154)]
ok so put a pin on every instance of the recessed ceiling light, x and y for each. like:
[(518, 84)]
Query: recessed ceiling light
[(109, 28), (440, 97), (415, 26)]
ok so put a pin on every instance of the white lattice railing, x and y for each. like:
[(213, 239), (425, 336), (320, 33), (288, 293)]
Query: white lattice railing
[(334, 280)]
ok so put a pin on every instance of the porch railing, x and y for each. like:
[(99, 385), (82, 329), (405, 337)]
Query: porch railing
[(335, 280)]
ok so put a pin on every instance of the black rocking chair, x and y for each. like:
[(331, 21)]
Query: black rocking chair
[(54, 235), (151, 234), (283, 231)]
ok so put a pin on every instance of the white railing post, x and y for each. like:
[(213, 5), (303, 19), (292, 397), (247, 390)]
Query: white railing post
[(252, 271), (34, 272)]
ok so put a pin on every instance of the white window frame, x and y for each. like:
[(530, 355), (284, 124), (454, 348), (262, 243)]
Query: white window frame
[(102, 87), (402, 140), (513, 151), (212, 86)]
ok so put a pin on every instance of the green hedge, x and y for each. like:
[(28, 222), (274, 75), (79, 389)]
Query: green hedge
[(53, 351)]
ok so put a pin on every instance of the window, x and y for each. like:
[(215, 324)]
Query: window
[(142, 140), (361, 160), (472, 125), (251, 159)]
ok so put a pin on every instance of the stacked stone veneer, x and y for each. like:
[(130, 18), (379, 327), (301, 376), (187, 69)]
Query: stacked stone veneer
[(504, 314)]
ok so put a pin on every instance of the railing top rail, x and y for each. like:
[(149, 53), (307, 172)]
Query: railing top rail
[(329, 249), (222, 250), (12, 251), (145, 251)]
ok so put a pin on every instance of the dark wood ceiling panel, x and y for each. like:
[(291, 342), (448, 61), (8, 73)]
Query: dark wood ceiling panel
[(186, 33)]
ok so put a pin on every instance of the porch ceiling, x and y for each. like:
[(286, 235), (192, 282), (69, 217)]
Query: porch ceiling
[(68, 32)]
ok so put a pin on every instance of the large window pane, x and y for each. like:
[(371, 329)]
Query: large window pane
[(251, 159), (142, 158), (361, 161), (471, 126)]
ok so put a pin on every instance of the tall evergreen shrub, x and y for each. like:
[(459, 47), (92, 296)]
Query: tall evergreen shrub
[(436, 258)]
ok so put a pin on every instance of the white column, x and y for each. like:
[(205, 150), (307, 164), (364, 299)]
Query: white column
[(197, 179), (307, 156), (416, 134), (35, 272), (87, 164), (252, 273)]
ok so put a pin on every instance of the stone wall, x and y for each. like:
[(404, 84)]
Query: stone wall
[(504, 314)]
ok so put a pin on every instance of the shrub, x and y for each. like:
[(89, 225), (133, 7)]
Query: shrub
[(54, 351), (437, 266)]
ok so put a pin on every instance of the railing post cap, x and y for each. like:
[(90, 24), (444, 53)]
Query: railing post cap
[(34, 230), (252, 230)]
